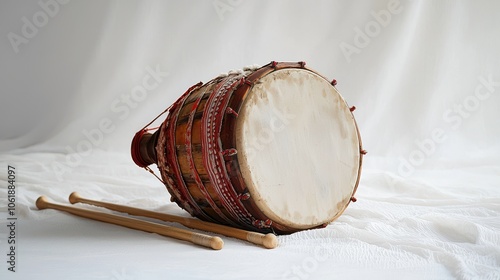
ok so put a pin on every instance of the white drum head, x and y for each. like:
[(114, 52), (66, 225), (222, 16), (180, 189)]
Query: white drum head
[(298, 148)]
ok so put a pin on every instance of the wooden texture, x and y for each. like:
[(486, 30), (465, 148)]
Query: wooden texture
[(200, 239), (267, 240)]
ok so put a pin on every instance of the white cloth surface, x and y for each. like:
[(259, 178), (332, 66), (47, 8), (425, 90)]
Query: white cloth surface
[(425, 81)]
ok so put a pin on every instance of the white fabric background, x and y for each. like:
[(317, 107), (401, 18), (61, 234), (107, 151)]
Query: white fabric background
[(429, 198)]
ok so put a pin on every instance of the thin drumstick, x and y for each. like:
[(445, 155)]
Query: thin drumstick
[(267, 240), (200, 239)]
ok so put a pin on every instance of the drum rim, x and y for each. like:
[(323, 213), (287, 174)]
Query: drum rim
[(252, 189)]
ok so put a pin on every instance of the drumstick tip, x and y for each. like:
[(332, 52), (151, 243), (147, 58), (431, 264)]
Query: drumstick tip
[(270, 241), (216, 243), (42, 202), (74, 197)]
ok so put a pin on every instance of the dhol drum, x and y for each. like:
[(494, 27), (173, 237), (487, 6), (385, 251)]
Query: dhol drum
[(269, 149)]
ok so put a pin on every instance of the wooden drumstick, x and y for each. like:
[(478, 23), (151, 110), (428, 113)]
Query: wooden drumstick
[(267, 240), (197, 238)]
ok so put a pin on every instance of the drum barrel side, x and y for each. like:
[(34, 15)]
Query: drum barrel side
[(143, 148), (180, 151)]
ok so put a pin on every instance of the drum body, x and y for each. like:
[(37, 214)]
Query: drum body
[(272, 149)]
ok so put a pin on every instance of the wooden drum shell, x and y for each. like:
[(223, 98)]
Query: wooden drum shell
[(191, 165)]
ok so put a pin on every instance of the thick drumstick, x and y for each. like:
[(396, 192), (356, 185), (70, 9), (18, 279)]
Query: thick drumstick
[(267, 240), (201, 239)]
